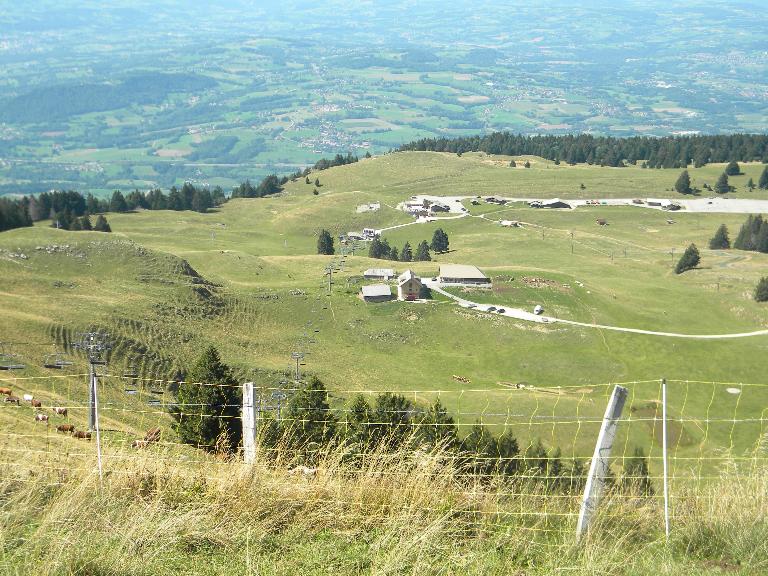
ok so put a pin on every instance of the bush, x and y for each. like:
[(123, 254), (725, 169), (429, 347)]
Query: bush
[(761, 291)]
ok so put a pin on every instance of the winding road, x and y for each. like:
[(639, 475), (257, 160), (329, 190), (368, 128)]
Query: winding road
[(520, 314)]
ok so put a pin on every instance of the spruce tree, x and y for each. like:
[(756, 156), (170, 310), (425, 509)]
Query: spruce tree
[(683, 184), (762, 183), (101, 224), (761, 290), (422, 252), (325, 243), (689, 260), (750, 184), (85, 223), (406, 254), (208, 405), (722, 185), (76, 225), (733, 168), (439, 241), (118, 203), (720, 240), (394, 254), (309, 417)]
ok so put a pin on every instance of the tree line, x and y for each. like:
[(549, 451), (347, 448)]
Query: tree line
[(664, 152), (380, 248), (391, 423), (753, 236)]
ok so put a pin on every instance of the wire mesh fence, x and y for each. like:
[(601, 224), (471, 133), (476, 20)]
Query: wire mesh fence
[(507, 453)]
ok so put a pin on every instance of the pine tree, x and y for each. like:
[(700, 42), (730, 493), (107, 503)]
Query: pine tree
[(394, 254), (689, 260), (422, 252), (720, 240), (75, 225), (635, 478), (683, 184), (722, 186), (307, 181), (358, 423), (439, 241), (101, 224), (209, 404), (118, 203), (309, 416), (317, 182), (762, 183), (325, 243), (406, 255), (761, 290), (733, 168), (85, 223)]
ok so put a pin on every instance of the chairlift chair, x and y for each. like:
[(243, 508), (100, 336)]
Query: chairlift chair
[(7, 360), (130, 372), (56, 361)]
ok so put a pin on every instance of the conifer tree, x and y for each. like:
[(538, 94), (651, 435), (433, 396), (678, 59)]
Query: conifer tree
[(118, 203), (750, 184), (309, 416), (683, 184), (762, 183), (635, 478), (689, 260), (733, 168), (422, 252), (325, 243), (394, 254), (439, 241), (209, 405), (761, 290), (720, 240), (76, 225), (406, 254), (85, 223), (722, 186), (101, 224)]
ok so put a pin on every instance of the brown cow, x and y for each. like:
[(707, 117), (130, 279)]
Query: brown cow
[(60, 411), (82, 435), (41, 418), (13, 400), (37, 404), (65, 428), (6, 391), (152, 435)]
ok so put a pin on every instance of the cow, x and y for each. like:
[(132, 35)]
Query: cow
[(152, 435), (28, 397), (41, 418), (66, 428), (82, 435), (37, 404), (6, 391), (304, 471), (60, 411), (13, 400), (139, 444)]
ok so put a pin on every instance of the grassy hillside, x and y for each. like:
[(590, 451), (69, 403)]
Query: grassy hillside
[(246, 279)]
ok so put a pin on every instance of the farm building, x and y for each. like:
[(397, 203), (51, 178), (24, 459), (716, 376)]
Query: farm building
[(379, 274), (462, 274), (554, 203), (408, 286), (376, 293)]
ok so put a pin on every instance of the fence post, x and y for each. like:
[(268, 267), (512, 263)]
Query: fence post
[(664, 453), (598, 468), (249, 424)]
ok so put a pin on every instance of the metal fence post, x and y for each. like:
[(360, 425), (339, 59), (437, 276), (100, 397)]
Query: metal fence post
[(249, 424), (664, 452), (599, 467)]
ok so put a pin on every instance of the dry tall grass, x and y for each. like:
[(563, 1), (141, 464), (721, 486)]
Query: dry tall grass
[(393, 514)]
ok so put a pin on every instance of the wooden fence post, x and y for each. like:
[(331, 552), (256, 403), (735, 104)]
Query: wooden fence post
[(599, 467)]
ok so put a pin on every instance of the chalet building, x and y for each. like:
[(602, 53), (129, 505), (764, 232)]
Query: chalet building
[(462, 274), (376, 293), (379, 274), (409, 286)]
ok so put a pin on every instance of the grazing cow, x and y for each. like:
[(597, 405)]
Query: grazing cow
[(28, 397), (139, 444), (13, 400), (82, 435), (304, 471), (6, 391), (66, 428), (152, 435), (60, 411), (37, 404), (41, 418)]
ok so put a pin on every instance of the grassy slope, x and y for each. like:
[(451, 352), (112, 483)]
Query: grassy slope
[(258, 251)]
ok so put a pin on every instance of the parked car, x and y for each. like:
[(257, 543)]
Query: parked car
[(492, 309)]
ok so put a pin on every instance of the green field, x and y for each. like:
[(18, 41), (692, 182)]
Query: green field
[(261, 294)]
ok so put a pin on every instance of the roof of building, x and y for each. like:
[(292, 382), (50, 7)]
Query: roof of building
[(379, 272), (406, 276), (460, 271), (377, 290)]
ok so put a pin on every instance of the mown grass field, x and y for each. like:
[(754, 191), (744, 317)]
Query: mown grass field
[(265, 297)]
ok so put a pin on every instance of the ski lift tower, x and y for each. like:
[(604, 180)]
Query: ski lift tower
[(95, 345)]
